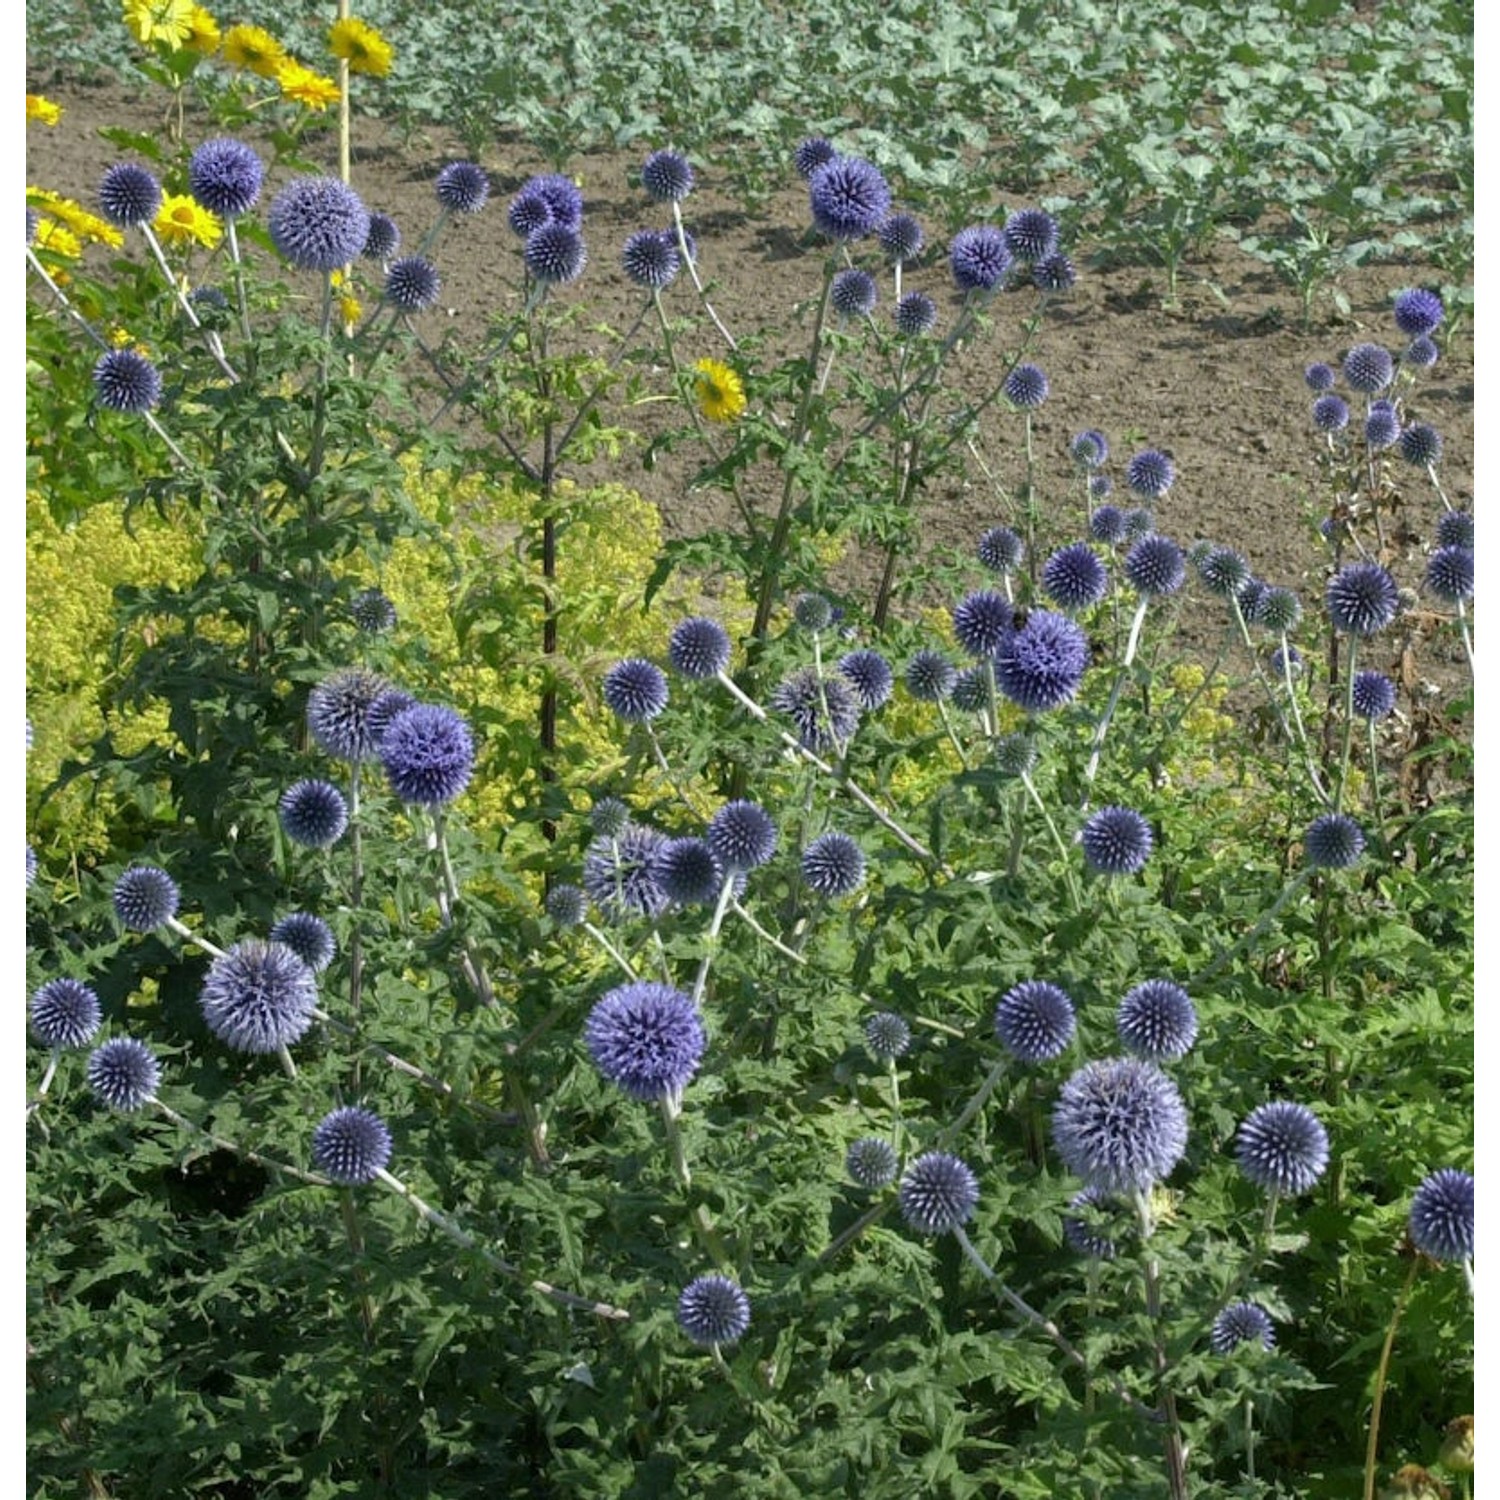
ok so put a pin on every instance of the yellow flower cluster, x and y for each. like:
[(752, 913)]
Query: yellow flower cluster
[(303, 86), (75, 218), (252, 49), (43, 110), (361, 46)]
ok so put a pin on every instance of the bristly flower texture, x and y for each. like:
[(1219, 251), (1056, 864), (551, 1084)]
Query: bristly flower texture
[(129, 195), (1333, 841), (853, 293), (833, 865), (1368, 368), (1120, 1124), (650, 259), (1420, 444), (144, 897), (915, 314), (1116, 841), (1362, 599), (384, 238), (258, 997), (1035, 1021), (125, 381), (1074, 577), (635, 690), (938, 1193), (566, 905), (646, 1038), (313, 813), (308, 936), (1089, 448), (901, 238), (1026, 387), (1319, 377), (428, 754), (1001, 549), (849, 197), (812, 612), (225, 176), (742, 835), (1224, 572), (1450, 574), (1053, 274), (561, 195), (1282, 1147), (555, 253), (713, 1310), (930, 676), (982, 620), (823, 710), (887, 1036), (1241, 1323), (1150, 473), (1455, 528), (1441, 1223), (871, 1162), (1040, 666), (412, 284), (1382, 425), (811, 154), (721, 396), (698, 648), (870, 675), (1081, 1228), (1030, 234), (978, 258), (1418, 311), (619, 872), (65, 1013), (372, 611), (1154, 565), (123, 1074), (1374, 695), (1156, 1020), (1330, 413), (351, 1146), (688, 872), (318, 223), (462, 187), (667, 176)]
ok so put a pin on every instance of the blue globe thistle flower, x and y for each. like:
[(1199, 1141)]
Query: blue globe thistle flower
[(555, 253), (1030, 234), (1224, 571), (619, 873), (1382, 426), (650, 259), (1026, 387), (566, 905), (609, 817), (1074, 577), (1139, 522), (1101, 486), (31, 866), (915, 314), (1278, 609), (887, 1036), (1116, 841), (811, 154), (1156, 1020), (1362, 599), (383, 238), (144, 898), (1450, 574), (1054, 274), (1455, 528), (351, 1146), (742, 835), (833, 865), (1334, 841), (529, 210), (372, 611), (1441, 1223), (65, 1013), (667, 176), (462, 187), (1154, 565), (1241, 1323), (1286, 661), (853, 293), (225, 176), (318, 223), (1420, 444), (126, 381), (1368, 368), (1150, 474), (1249, 595), (938, 1193), (313, 813), (812, 612), (930, 676), (824, 710), (412, 284), (1089, 448), (258, 997), (1001, 549), (871, 1162), (978, 258), (1282, 1147), (428, 754), (561, 195), (698, 648), (1035, 1021), (308, 936), (123, 1074), (688, 872), (1330, 414), (870, 675), (901, 238), (849, 197), (1107, 525), (211, 306), (971, 689), (1421, 353), (1319, 377), (646, 1038), (386, 709), (635, 690), (1418, 311), (1040, 666), (1374, 695), (1082, 1228), (1015, 754), (982, 620), (1120, 1125), (713, 1310), (129, 195)]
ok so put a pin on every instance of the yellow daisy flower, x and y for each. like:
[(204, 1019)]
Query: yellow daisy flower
[(151, 21), (305, 86), (73, 216), (50, 235), (38, 108), (203, 33), (361, 46), (182, 220), (350, 310), (721, 396), (252, 48)]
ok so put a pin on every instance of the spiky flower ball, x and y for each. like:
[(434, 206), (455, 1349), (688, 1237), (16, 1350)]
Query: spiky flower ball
[(1330, 413), (1417, 311), (1224, 572), (566, 905), (318, 223), (870, 676), (258, 997), (978, 258), (372, 611), (1082, 1228), (982, 620), (339, 712), (1101, 486), (1333, 841), (849, 197), (555, 253), (144, 898), (1150, 474), (1001, 549), (1107, 524), (1241, 1323), (225, 176), (1282, 1147), (1139, 522), (1362, 599), (1035, 1021), (561, 195), (1420, 444), (412, 284), (383, 238), (853, 293), (1374, 695), (1053, 274), (938, 1193), (1030, 234), (428, 754), (1455, 528), (1074, 577), (619, 872), (123, 1074), (308, 936), (1015, 754), (1089, 449), (1154, 565), (127, 382), (313, 813), (462, 187), (667, 176), (609, 817), (901, 238), (635, 690), (64, 1013), (713, 1310), (1040, 666), (915, 314), (528, 211), (687, 871), (650, 259), (387, 708), (1441, 1223), (833, 865), (1450, 574), (1368, 368), (1156, 1020), (1276, 609), (351, 1146), (1120, 1125), (971, 689), (1116, 841), (698, 648), (1382, 425), (1319, 377), (812, 612), (871, 1162), (930, 676), (811, 154), (129, 195), (742, 835), (1026, 387), (1421, 353), (887, 1036), (646, 1038)]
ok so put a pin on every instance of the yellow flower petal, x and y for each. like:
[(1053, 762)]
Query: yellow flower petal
[(361, 46), (150, 21), (306, 87), (38, 108), (85, 225), (50, 235), (721, 395), (182, 220), (253, 49), (203, 33)]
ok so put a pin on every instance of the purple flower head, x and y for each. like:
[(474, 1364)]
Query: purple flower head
[(833, 865), (1374, 695), (1421, 353), (383, 239), (887, 1036), (982, 620), (971, 689), (1074, 577), (129, 195), (635, 690), (1330, 414), (811, 154), (1282, 1147), (372, 611), (462, 187), (1455, 528), (698, 648), (1154, 565), (742, 835), (1085, 1229), (1150, 474), (351, 1146), (1441, 1223), (1120, 1124), (688, 872), (1224, 572), (313, 813), (555, 253), (1107, 525), (824, 710), (1035, 1021), (412, 284), (1450, 574), (529, 210), (853, 293), (1319, 377), (428, 754), (225, 175), (1418, 311), (849, 198), (938, 1193), (123, 1074), (309, 937), (650, 259), (713, 1310), (258, 997), (915, 314), (609, 817), (1001, 549), (1420, 444), (619, 872), (901, 238), (1040, 666), (1382, 426), (1054, 274), (1156, 1020), (567, 905), (1362, 599), (1116, 841), (1026, 387), (1089, 448), (1334, 841), (1101, 486), (561, 195), (127, 382), (871, 1162), (667, 176), (646, 1038), (318, 223), (1368, 368), (1241, 1323), (979, 258), (1030, 234), (870, 675), (812, 612), (145, 898), (1277, 609), (930, 676), (1015, 754), (386, 709), (64, 1013)]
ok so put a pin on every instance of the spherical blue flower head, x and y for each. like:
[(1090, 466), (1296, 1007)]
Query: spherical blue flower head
[(1282, 1147), (1374, 695), (1278, 609), (1107, 524), (1054, 274), (849, 197), (871, 1162), (1155, 565), (1455, 528), (1285, 661), (225, 175), (64, 1013), (1026, 387), (1030, 234), (318, 223), (1120, 1124), (1450, 574), (915, 314), (1442, 1215), (646, 1038), (258, 997), (1224, 572), (386, 709), (313, 813), (129, 195), (211, 305), (619, 873), (609, 817), (1418, 311), (870, 675), (1116, 841), (1035, 1021), (650, 259), (428, 754), (567, 905), (1150, 474), (529, 210), (309, 937), (688, 872), (1420, 444), (383, 239), (823, 710), (853, 293), (1156, 1020), (833, 865), (938, 1193), (1241, 1323), (1330, 414), (372, 611), (1089, 448), (33, 223), (667, 176), (971, 689), (636, 690), (887, 1036), (126, 381), (1084, 1230), (812, 612), (562, 197), (1368, 368), (1319, 377), (412, 284), (713, 1310), (698, 648), (930, 676), (1249, 595), (978, 258), (1139, 522), (123, 1074), (982, 620), (462, 187), (1040, 666), (1101, 486), (901, 238), (1074, 577), (1334, 841), (1001, 549), (742, 835), (1362, 599), (351, 1146), (1015, 754), (1421, 353), (1382, 426), (144, 898), (811, 154), (555, 253)]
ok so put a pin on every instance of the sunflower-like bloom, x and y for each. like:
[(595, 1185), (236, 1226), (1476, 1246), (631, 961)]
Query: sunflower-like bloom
[(253, 49), (303, 86), (151, 21), (38, 108), (203, 33), (361, 46), (721, 396), (182, 220)]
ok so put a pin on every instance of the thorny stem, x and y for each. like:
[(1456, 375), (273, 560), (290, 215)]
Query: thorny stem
[(703, 1227)]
